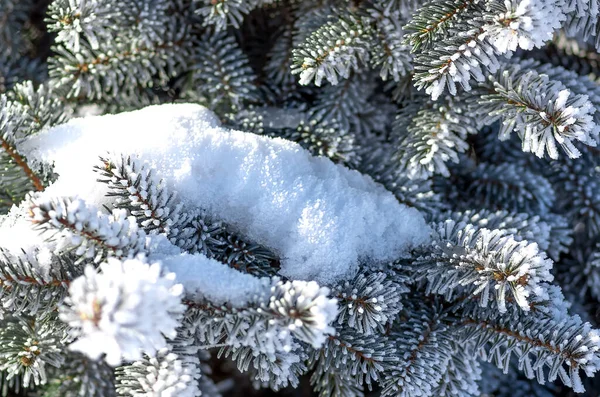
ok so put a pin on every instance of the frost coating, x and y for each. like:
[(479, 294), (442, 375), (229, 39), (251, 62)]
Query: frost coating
[(320, 218)]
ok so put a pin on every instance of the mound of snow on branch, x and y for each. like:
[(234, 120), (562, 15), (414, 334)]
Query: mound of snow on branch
[(322, 219)]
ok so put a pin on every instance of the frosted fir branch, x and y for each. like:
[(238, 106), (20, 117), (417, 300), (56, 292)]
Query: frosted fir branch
[(369, 303), (80, 376), (465, 54), (290, 311), (223, 13), (329, 382), (172, 372), (521, 226), (41, 106), (81, 227), (525, 24), (118, 73), (432, 137), (463, 373), (576, 83), (380, 164), (28, 287), (506, 186), (126, 309), (137, 190), (390, 53), (12, 127), (355, 357), (471, 49), (550, 232), (582, 21), (432, 21), (485, 263), (546, 348), (76, 20), (333, 51), (222, 76), (424, 340), (544, 112), (276, 371), (29, 345)]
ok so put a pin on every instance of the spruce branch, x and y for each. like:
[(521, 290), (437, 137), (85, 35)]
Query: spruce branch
[(28, 287), (486, 263), (544, 112), (497, 187), (544, 346), (354, 357), (436, 134), (222, 13), (370, 302), (97, 74), (12, 126), (76, 20), (90, 233), (137, 190), (390, 53), (432, 21), (423, 337), (29, 345), (173, 370), (277, 370), (333, 51), (462, 375), (222, 77)]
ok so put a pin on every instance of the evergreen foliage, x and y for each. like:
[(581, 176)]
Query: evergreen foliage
[(482, 115)]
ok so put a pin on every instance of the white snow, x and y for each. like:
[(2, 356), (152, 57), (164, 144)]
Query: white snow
[(204, 277), (322, 219)]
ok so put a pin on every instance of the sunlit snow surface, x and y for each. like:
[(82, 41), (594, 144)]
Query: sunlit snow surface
[(322, 219)]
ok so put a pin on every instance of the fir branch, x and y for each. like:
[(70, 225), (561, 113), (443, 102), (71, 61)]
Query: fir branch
[(137, 190), (12, 126), (292, 310), (496, 187), (342, 46), (80, 376), (174, 370), (29, 345), (551, 343), (484, 262), (355, 358), (423, 337), (26, 286), (369, 302), (432, 21), (545, 113), (222, 77), (83, 228), (436, 134), (20, 161)]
